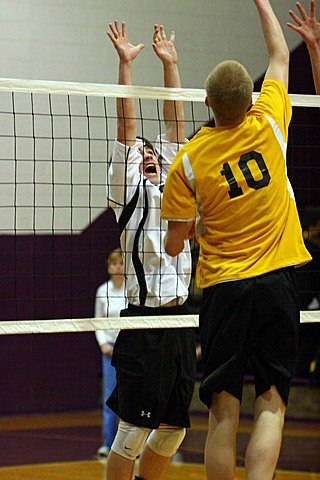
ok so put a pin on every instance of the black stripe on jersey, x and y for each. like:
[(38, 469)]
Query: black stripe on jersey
[(124, 219), (135, 253), (128, 210)]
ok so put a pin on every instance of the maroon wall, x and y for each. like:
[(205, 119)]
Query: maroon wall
[(40, 274)]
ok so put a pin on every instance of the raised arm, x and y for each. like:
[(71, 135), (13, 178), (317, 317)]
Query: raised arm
[(276, 44), (309, 29), (173, 111), (126, 129)]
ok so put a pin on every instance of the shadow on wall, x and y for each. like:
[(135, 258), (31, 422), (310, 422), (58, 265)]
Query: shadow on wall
[(303, 144)]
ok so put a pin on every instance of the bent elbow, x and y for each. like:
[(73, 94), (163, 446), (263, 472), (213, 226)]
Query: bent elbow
[(173, 240), (171, 251)]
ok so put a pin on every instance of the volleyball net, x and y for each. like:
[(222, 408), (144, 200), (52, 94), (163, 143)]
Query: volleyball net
[(56, 229)]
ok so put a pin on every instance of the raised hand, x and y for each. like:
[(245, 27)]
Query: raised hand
[(307, 26), (119, 37), (163, 47)]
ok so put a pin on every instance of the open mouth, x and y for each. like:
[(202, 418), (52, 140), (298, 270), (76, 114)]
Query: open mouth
[(150, 168)]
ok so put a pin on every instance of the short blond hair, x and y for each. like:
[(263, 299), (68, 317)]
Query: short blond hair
[(229, 90), (115, 255)]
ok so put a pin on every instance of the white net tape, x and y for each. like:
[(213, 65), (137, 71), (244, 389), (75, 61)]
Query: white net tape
[(92, 324), (100, 90), (114, 323)]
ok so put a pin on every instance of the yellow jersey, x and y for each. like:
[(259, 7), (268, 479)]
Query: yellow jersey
[(234, 182)]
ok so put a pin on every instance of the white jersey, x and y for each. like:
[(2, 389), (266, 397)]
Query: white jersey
[(153, 278), (109, 303)]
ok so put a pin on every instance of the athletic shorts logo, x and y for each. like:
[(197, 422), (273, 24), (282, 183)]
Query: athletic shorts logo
[(145, 414)]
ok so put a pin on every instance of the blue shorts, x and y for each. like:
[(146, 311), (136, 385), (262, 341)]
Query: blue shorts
[(257, 319)]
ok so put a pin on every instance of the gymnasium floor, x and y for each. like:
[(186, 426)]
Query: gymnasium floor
[(63, 446)]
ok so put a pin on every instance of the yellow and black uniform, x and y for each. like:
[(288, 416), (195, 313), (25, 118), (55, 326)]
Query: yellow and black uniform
[(234, 182), (236, 179)]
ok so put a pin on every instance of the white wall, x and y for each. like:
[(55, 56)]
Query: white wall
[(65, 39)]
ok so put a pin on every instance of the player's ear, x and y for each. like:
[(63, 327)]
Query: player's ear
[(207, 102)]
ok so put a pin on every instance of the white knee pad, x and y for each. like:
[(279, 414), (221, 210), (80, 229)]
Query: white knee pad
[(166, 440), (129, 440)]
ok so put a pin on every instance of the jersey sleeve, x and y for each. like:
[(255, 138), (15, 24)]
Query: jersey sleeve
[(123, 173), (274, 102), (178, 202)]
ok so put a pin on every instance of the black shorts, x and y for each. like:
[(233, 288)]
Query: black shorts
[(155, 372), (256, 319)]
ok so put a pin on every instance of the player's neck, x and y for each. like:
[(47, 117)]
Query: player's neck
[(117, 281)]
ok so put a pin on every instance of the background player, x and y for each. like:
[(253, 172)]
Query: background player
[(110, 300)]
